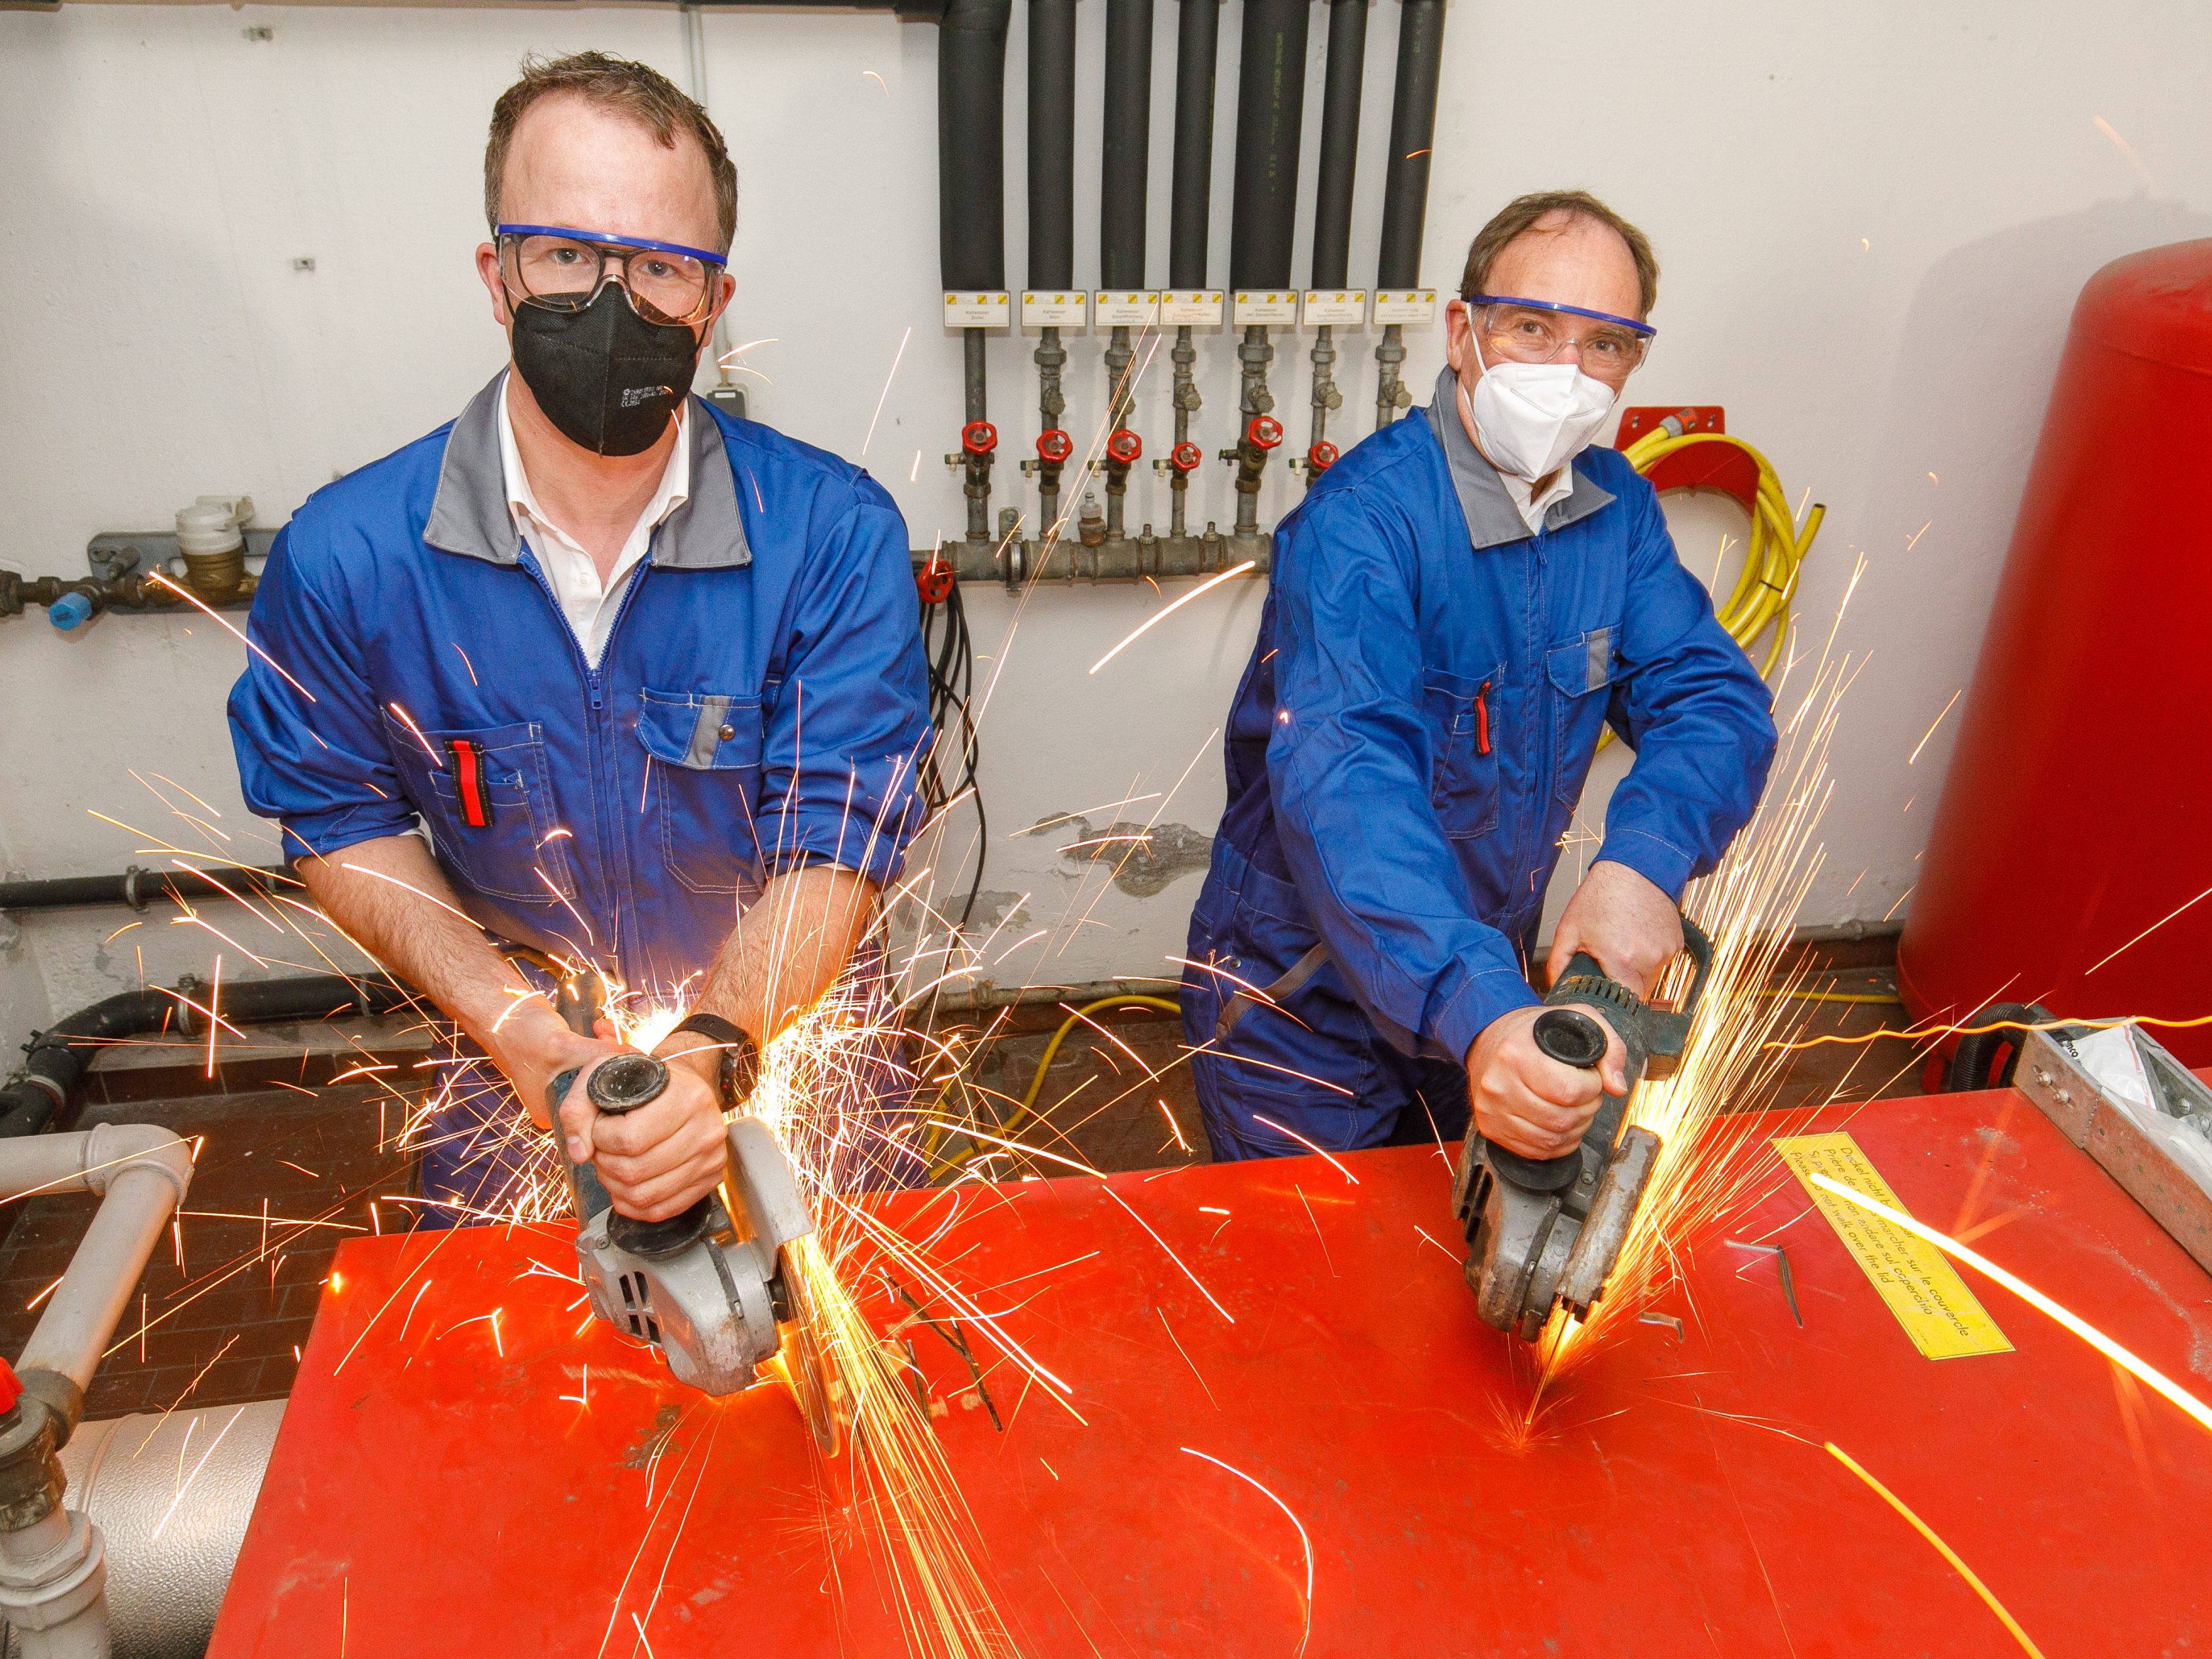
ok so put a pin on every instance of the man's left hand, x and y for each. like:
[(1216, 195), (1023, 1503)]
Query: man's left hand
[(1629, 925), (660, 1159)]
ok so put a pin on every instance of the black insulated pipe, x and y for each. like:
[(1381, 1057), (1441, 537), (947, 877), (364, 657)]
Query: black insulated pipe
[(1052, 235), (1406, 183), (1332, 233), (45, 1092), (1124, 163), (1052, 144), (1263, 221), (1339, 143), (1127, 150), (1198, 48), (971, 206)]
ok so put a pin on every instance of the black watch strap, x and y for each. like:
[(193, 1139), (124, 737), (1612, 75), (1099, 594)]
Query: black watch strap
[(740, 1055)]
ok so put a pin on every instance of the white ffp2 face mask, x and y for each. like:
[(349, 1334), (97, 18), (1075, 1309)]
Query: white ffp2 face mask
[(1533, 418)]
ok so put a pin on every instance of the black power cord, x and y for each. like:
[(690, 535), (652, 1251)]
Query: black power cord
[(949, 766)]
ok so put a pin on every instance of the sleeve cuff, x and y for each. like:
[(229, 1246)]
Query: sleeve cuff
[(1486, 995), (319, 835), (1662, 863), (879, 857)]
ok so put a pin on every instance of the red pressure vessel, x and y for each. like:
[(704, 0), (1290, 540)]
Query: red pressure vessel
[(2077, 812)]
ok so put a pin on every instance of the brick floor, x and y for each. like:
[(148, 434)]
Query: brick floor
[(224, 1327)]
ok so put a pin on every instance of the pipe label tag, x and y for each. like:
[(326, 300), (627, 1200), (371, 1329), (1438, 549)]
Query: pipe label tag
[(1117, 309), (1051, 310), (1408, 307), (978, 310), (1915, 1278), (1340, 308), (1191, 308), (1263, 307)]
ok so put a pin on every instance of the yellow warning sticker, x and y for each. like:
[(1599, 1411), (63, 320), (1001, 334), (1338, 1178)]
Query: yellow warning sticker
[(1917, 1280)]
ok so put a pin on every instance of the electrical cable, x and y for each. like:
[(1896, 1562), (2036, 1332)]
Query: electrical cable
[(1022, 1114), (1778, 547), (951, 661)]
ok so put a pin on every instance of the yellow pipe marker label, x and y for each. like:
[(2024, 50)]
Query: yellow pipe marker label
[(1917, 1280)]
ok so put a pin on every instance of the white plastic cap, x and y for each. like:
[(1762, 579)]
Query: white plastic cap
[(214, 523)]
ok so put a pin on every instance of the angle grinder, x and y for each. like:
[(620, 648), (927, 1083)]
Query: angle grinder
[(711, 1288), (1546, 1232)]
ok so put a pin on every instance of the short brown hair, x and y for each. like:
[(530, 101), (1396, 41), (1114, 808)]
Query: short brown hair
[(636, 90), (1525, 212)]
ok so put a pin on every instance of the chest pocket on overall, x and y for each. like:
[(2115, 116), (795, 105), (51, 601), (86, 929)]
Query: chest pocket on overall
[(1580, 671), (704, 782), (487, 799), (1461, 711)]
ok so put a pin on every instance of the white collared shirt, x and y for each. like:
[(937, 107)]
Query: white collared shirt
[(1532, 506), (586, 601)]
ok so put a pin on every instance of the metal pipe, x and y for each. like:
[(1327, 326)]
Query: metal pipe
[(971, 206), (169, 1563), (1125, 165), (141, 1172), (1198, 48), (1405, 185), (1052, 234), (1332, 235), (139, 888)]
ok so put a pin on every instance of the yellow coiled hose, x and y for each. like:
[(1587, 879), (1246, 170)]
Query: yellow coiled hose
[(1777, 550)]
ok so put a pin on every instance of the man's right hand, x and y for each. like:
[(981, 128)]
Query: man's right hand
[(1526, 1101)]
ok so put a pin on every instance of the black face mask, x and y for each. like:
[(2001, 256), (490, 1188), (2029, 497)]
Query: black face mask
[(609, 380)]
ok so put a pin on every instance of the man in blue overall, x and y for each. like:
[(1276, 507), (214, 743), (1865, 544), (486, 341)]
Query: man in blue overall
[(1459, 609), (649, 677)]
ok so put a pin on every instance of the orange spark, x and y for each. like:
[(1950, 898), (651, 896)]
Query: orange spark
[(1931, 732), (1305, 1542), (2187, 1402), (436, 759), (1284, 1129), (1167, 611), (157, 576), (2149, 931), (1942, 1548)]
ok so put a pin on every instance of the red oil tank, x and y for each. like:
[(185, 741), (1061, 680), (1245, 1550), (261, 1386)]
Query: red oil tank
[(2071, 855)]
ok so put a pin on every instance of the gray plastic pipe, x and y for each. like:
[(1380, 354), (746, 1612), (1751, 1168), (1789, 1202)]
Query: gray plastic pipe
[(141, 1172), (53, 1572)]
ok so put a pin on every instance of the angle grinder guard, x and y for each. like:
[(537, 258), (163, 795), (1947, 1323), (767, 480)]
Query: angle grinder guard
[(1542, 1232), (707, 1288)]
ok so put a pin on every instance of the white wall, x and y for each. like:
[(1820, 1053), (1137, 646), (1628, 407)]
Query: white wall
[(1873, 219)]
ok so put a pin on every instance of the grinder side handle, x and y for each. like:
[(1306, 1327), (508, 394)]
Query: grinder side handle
[(1572, 1038)]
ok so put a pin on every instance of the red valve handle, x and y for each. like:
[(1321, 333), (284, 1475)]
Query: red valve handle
[(1321, 456), (1054, 447), (979, 437), (933, 581), (10, 1389), (1185, 457), (1125, 446), (1265, 431)]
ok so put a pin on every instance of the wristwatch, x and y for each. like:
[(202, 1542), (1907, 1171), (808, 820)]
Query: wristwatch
[(740, 1063)]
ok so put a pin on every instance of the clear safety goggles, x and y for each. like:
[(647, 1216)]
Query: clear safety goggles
[(1606, 348), (564, 270)]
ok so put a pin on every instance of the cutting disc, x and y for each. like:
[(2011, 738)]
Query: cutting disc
[(804, 1362)]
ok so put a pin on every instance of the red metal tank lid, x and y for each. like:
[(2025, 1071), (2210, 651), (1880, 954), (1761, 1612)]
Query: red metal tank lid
[(2155, 305)]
